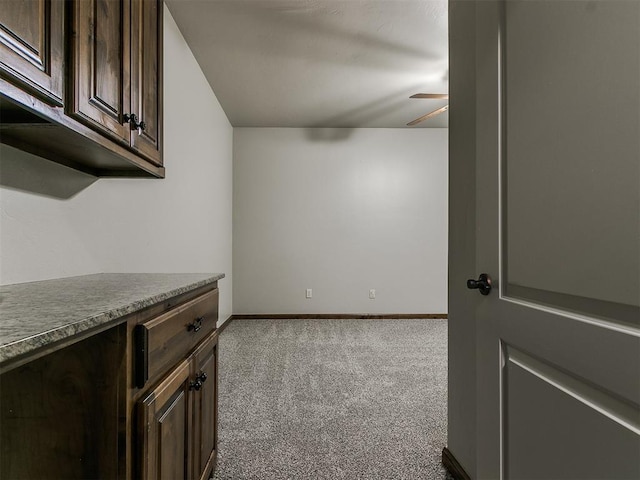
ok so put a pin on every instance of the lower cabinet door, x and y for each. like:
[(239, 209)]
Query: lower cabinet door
[(164, 428), (205, 401)]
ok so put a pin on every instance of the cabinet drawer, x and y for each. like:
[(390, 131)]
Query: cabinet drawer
[(164, 340)]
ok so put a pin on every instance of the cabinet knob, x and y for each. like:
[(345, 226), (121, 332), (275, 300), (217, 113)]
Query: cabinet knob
[(197, 383), (196, 325), (132, 119)]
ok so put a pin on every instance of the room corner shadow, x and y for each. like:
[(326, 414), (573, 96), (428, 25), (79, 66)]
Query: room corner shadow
[(368, 115), (327, 134), (28, 173)]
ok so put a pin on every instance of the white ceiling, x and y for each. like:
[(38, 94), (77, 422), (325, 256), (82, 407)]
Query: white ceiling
[(320, 63)]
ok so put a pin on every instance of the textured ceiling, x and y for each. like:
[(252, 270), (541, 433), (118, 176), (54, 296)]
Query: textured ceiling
[(320, 63)]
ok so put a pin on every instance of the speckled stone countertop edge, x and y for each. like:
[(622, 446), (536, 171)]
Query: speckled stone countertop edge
[(32, 343)]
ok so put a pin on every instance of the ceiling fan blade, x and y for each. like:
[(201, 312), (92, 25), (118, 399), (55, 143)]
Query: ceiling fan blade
[(444, 96), (428, 115)]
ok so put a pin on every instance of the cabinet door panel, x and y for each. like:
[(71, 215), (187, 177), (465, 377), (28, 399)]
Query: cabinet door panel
[(32, 46), (171, 430), (164, 426), (146, 76), (101, 65), (206, 408)]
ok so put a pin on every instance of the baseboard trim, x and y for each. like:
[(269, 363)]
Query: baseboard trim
[(328, 316), (453, 466), (225, 324), (361, 316)]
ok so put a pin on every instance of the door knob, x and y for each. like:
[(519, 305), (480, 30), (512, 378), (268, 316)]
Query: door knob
[(483, 284)]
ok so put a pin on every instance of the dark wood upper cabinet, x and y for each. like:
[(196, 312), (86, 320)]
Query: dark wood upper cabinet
[(117, 81), (81, 83), (32, 47), (146, 77), (101, 92)]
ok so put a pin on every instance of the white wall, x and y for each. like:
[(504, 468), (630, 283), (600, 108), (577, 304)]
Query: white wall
[(340, 211), (57, 222)]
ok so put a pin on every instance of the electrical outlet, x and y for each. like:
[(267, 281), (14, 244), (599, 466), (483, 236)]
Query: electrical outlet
[(309, 293), (372, 293)]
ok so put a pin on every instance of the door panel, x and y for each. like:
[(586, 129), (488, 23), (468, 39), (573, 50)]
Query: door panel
[(571, 196), (590, 351), (558, 223), (101, 93), (548, 410), (146, 77), (32, 48)]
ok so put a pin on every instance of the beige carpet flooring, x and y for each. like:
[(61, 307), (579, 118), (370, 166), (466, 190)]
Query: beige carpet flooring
[(332, 399)]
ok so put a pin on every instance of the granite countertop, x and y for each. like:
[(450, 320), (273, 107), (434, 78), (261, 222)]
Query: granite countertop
[(37, 314)]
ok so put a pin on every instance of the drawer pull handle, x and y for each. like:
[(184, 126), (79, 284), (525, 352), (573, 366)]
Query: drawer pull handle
[(196, 325), (197, 385)]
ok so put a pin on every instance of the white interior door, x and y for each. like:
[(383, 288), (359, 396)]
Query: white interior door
[(558, 230)]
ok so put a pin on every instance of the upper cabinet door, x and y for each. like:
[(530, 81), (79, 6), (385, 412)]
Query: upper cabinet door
[(32, 47), (101, 59), (146, 77)]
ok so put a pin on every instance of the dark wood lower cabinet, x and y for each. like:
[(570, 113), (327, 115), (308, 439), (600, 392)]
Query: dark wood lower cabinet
[(205, 426), (164, 426), (79, 413), (177, 420), (59, 414)]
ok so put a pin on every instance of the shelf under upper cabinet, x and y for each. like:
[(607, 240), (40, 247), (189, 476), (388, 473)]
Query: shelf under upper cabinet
[(68, 142)]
